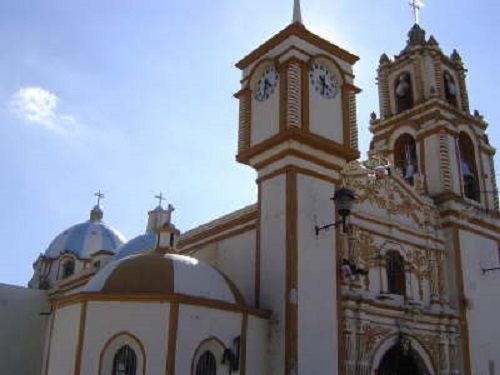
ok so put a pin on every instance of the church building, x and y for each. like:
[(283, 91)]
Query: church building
[(384, 266)]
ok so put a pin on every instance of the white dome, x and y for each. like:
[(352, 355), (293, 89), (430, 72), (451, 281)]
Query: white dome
[(86, 238), (164, 274)]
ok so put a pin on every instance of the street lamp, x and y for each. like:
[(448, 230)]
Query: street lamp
[(343, 200)]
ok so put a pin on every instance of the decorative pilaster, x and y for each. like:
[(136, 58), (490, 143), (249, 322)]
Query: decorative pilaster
[(349, 337), (294, 100), (444, 161), (464, 96), (438, 75), (494, 183), (245, 97), (384, 94), (353, 126), (419, 80)]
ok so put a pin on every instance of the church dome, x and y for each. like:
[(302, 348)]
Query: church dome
[(140, 244), (159, 219), (166, 274), (86, 238)]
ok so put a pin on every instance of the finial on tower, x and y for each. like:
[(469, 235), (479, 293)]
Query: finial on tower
[(297, 14), (416, 5)]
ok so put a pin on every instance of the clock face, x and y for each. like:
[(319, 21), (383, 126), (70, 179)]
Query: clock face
[(324, 82), (266, 85)]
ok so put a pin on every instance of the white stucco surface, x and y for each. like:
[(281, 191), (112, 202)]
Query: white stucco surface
[(482, 293), (197, 324), (317, 278), (64, 340), (20, 319), (148, 322)]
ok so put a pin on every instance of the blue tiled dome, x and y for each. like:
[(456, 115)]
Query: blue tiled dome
[(137, 245), (86, 238)]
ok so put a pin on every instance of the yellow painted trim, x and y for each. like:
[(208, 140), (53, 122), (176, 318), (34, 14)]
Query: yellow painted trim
[(173, 324)]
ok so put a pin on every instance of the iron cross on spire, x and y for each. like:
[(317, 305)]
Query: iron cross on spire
[(416, 5), (160, 198), (99, 196)]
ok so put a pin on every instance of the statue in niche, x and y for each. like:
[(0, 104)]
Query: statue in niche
[(405, 157), (404, 95), (450, 89)]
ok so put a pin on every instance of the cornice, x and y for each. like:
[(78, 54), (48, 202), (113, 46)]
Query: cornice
[(300, 31), (296, 134)]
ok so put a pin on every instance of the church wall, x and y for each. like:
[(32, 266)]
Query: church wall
[(273, 263), (20, 318), (482, 299), (317, 298), (197, 324), (256, 358), (148, 322), (64, 340), (235, 257)]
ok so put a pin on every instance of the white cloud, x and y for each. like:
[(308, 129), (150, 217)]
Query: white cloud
[(39, 106)]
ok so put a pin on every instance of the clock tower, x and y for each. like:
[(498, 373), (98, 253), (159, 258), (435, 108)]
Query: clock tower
[(297, 129)]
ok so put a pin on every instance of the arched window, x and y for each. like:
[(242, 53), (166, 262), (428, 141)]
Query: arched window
[(125, 361), (396, 280), (68, 269), (405, 157), (403, 93), (207, 364), (468, 167), (450, 89)]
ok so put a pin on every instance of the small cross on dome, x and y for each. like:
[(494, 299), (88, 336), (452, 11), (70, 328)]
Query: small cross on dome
[(160, 198), (416, 5), (99, 196)]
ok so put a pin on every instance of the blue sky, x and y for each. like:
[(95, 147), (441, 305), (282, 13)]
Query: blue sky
[(135, 97)]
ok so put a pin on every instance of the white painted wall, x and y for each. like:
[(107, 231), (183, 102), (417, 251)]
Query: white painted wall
[(64, 340), (317, 299), (197, 324), (20, 319), (256, 363), (272, 263), (483, 293), (147, 321)]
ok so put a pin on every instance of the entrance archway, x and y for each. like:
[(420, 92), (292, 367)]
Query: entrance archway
[(399, 360)]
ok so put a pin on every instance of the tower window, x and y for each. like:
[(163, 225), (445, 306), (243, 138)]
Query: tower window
[(125, 361), (450, 89), (468, 167), (396, 280), (207, 365), (68, 269), (404, 93), (405, 157)]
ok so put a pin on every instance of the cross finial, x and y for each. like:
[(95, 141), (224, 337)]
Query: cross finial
[(99, 196), (160, 198), (416, 5), (297, 14)]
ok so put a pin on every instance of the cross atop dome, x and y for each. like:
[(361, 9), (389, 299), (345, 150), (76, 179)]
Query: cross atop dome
[(96, 214), (297, 14), (99, 196), (416, 5)]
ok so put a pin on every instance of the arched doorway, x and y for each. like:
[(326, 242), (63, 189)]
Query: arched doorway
[(401, 359)]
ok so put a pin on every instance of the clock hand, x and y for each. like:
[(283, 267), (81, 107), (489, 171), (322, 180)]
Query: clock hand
[(323, 84)]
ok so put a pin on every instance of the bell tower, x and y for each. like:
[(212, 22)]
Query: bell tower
[(297, 129), (425, 126)]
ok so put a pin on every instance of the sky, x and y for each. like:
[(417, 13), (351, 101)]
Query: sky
[(135, 97)]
